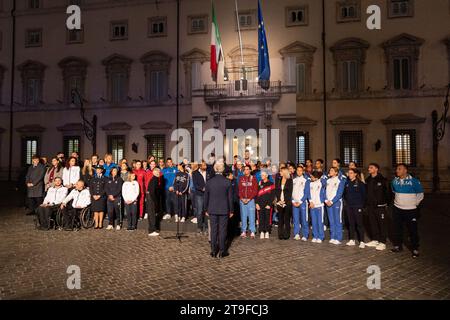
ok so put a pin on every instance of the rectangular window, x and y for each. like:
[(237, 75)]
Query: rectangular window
[(118, 87), (302, 147), (401, 8), (158, 85), (300, 78), (247, 20), (116, 146), (71, 144), (30, 147), (157, 27), (402, 74), (119, 30), (32, 92), (156, 146), (348, 10), (34, 4), (33, 38), (197, 24), (297, 16), (349, 76), (351, 143), (404, 147), (75, 36)]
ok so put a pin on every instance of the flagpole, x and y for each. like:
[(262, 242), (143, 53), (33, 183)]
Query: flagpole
[(240, 35)]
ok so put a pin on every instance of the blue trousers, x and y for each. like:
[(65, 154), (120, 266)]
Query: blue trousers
[(300, 218), (317, 215), (170, 202), (248, 212), (335, 218)]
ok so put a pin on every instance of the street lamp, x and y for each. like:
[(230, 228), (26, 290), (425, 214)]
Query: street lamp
[(439, 127), (89, 127)]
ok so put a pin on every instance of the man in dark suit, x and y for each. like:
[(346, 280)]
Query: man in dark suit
[(218, 206), (35, 184)]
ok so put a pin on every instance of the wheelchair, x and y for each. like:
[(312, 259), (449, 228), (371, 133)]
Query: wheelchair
[(84, 220), (55, 222)]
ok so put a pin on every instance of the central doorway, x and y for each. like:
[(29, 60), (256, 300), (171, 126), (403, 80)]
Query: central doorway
[(251, 142)]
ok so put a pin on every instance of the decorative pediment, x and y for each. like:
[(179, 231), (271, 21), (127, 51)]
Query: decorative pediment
[(350, 120), (297, 48), (403, 39), (71, 127), (117, 126), (349, 49), (403, 118), (73, 66), (195, 55), (31, 68), (156, 57), (116, 59), (31, 128), (305, 121), (249, 52), (152, 125), (287, 116)]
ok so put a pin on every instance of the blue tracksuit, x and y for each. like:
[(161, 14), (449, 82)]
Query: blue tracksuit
[(301, 194), (169, 174), (334, 192), (317, 197)]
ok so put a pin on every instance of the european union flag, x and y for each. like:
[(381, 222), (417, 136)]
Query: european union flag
[(263, 53)]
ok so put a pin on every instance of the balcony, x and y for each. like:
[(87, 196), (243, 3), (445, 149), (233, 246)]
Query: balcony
[(231, 92)]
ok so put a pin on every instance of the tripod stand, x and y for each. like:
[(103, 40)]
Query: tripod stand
[(179, 234)]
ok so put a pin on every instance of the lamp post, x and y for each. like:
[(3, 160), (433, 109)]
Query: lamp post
[(89, 127), (439, 126)]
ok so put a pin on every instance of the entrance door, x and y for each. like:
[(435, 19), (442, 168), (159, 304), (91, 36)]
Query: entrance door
[(249, 142)]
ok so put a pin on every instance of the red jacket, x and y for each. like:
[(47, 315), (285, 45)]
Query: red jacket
[(147, 177), (248, 187), (140, 178)]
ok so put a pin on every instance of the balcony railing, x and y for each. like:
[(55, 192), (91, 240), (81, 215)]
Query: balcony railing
[(233, 91)]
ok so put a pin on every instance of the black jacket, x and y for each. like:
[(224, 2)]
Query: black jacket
[(287, 191), (35, 175), (113, 186), (97, 186), (199, 182), (266, 194), (378, 193), (154, 189), (355, 194), (181, 182), (218, 196)]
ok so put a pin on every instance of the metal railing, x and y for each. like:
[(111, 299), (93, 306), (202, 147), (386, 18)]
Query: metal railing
[(240, 89)]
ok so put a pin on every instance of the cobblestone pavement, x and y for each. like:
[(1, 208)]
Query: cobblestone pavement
[(123, 265)]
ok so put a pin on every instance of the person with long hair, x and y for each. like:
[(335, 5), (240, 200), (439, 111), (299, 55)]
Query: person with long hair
[(124, 171), (113, 189), (334, 192), (355, 198), (283, 194), (352, 165), (140, 178), (71, 173), (53, 172), (130, 194), (97, 190), (316, 204), (87, 173), (181, 188), (153, 193)]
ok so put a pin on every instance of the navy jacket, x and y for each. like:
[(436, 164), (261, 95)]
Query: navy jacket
[(355, 194), (199, 182), (218, 196)]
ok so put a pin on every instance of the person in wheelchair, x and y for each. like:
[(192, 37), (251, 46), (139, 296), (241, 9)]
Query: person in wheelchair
[(53, 199), (78, 199)]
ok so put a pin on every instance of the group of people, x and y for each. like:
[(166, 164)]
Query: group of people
[(222, 198)]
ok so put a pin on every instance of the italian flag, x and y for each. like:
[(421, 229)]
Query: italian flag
[(216, 46)]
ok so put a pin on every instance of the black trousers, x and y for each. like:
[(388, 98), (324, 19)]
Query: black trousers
[(409, 218), (34, 203), (264, 220), (44, 215), (71, 218), (131, 210), (181, 208), (284, 222), (114, 211), (219, 226), (377, 221), (153, 217), (356, 223)]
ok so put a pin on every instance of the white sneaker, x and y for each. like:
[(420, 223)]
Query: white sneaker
[(267, 235), (297, 237), (318, 241), (117, 227), (337, 242), (252, 235), (183, 220), (351, 243), (314, 240), (372, 244), (153, 234), (194, 221), (304, 239), (110, 227), (145, 216), (262, 235), (167, 216), (362, 245), (176, 218), (380, 247), (332, 241)]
